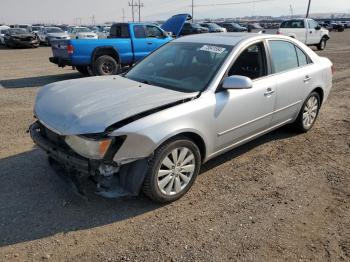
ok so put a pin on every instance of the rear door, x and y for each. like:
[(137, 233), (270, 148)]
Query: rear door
[(141, 45), (290, 66)]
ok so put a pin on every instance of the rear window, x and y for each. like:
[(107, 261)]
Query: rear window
[(293, 24), (119, 31), (284, 56)]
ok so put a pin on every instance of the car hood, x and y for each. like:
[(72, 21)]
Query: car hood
[(175, 23), (90, 105)]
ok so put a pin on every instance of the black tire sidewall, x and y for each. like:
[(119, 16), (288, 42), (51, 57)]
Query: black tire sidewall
[(323, 40), (82, 69), (102, 59), (158, 157)]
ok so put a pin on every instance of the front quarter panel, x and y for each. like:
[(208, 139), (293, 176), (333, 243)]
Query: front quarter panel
[(146, 134)]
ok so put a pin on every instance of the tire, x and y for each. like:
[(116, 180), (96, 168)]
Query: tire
[(309, 111), (173, 183), (322, 44), (106, 65), (83, 70)]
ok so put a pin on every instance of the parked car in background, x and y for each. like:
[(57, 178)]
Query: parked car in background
[(101, 31), (193, 28), (213, 28), (305, 30), (327, 26), (338, 27), (26, 27), (19, 37), (186, 103), (3, 29), (232, 27), (79, 32), (49, 34), (127, 44), (36, 29)]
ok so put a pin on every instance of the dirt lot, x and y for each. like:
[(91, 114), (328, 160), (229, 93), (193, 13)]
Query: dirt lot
[(283, 197)]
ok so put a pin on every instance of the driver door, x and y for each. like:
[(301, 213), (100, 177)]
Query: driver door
[(155, 37), (242, 113)]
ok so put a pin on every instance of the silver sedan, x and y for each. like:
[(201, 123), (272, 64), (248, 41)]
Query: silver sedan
[(190, 101)]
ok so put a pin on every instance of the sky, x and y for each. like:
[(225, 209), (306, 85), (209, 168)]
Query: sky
[(66, 11)]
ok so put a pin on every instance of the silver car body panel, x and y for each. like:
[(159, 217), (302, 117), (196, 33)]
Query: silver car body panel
[(222, 120)]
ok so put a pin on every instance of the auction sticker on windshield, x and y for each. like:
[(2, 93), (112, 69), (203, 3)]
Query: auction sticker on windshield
[(213, 49)]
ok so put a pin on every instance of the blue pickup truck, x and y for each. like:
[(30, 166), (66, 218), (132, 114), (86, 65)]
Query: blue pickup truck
[(127, 44)]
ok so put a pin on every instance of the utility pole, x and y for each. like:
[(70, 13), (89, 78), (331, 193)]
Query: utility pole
[(123, 15), (192, 10), (291, 11), (308, 9), (132, 9), (140, 5)]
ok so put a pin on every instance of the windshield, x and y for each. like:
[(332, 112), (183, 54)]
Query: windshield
[(184, 67), (36, 28), (54, 30), (82, 30)]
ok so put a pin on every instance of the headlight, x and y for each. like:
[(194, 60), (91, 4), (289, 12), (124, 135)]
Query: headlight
[(95, 149)]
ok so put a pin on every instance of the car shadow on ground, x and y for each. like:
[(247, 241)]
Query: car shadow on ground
[(37, 81), (36, 203)]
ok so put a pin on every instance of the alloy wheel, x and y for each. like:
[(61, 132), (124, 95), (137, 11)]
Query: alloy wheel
[(310, 111), (176, 171)]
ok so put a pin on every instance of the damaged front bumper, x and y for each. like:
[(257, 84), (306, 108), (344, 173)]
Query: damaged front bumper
[(108, 179)]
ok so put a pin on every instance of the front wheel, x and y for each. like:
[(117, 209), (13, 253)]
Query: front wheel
[(172, 170), (106, 65), (322, 44), (308, 113)]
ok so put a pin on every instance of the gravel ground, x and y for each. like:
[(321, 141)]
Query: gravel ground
[(284, 196)]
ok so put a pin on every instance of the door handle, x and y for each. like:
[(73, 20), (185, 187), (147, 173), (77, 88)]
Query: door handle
[(269, 91), (307, 79), (149, 43)]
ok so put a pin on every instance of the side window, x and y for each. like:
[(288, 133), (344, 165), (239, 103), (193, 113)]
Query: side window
[(139, 31), (251, 62), (302, 58), (119, 31), (311, 25), (283, 55), (153, 31)]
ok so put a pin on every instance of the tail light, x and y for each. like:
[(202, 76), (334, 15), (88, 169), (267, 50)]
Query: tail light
[(279, 32), (333, 69), (70, 49)]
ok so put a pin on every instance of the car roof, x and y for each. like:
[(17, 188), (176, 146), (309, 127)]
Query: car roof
[(221, 38)]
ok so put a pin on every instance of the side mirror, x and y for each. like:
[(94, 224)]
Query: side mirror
[(237, 82), (318, 27)]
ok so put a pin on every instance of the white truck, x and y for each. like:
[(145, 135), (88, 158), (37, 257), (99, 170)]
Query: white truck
[(305, 30)]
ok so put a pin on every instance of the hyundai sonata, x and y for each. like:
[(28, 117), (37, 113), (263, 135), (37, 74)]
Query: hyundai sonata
[(191, 100)]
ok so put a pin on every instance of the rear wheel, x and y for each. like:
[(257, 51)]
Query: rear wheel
[(322, 44), (172, 170), (106, 65), (308, 113)]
